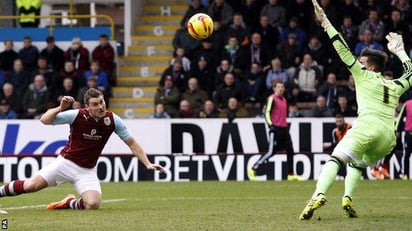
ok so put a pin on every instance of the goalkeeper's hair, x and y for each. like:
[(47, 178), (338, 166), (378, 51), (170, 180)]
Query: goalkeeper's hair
[(376, 58)]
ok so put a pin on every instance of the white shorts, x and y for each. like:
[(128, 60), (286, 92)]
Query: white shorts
[(65, 171)]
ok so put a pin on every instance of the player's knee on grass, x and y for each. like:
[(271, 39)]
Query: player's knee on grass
[(91, 204), (91, 199)]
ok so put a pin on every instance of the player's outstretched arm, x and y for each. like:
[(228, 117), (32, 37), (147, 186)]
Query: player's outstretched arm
[(49, 116), (338, 41), (141, 155)]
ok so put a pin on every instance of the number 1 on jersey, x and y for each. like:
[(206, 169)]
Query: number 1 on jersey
[(385, 94)]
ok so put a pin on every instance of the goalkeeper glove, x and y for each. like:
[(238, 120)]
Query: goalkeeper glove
[(395, 43), (320, 15)]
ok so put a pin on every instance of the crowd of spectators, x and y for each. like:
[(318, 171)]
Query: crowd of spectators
[(34, 80), (256, 42)]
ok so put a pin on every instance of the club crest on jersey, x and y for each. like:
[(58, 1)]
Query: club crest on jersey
[(106, 121)]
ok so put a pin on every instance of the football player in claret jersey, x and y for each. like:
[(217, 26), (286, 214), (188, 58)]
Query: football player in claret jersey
[(372, 136), (90, 128)]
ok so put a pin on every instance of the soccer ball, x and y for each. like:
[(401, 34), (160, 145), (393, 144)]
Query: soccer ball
[(200, 26)]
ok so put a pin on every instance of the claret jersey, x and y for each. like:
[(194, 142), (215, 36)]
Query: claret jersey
[(88, 136)]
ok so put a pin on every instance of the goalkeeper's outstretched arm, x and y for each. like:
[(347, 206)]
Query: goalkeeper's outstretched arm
[(396, 46), (338, 41)]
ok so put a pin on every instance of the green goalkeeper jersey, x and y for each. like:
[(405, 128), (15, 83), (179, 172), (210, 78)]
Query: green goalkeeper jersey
[(377, 97)]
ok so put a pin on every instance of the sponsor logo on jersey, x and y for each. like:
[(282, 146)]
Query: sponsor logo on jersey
[(92, 135)]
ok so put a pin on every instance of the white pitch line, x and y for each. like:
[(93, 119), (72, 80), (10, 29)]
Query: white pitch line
[(39, 206)]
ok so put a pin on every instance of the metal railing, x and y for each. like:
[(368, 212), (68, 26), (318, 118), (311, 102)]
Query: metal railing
[(51, 26)]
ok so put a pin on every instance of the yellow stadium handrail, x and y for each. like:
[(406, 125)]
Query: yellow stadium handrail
[(78, 16)]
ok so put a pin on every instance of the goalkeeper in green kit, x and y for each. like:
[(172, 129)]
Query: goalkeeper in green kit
[(371, 136)]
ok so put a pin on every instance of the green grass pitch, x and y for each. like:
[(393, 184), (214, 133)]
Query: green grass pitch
[(212, 205)]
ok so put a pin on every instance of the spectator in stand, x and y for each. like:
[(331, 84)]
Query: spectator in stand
[(5, 112), (102, 78), (7, 56), (253, 53), (349, 31), (396, 24), (91, 83), (366, 41), (183, 39), (289, 53), (53, 54), (253, 106), (159, 112), (233, 110), (330, 11), (221, 71), (344, 108), (204, 75), (276, 72), (50, 76), (185, 110), (208, 110), (406, 10), (168, 95), (36, 99), (300, 9), (374, 25), (320, 109), (293, 28), (78, 55), (330, 91), (179, 76), (207, 51), (276, 13), (220, 11), (318, 52), (231, 53), (104, 54), (253, 84), (67, 88), (12, 98), (70, 72), (349, 8), (250, 10), (179, 53), (268, 34), (229, 88), (308, 77), (218, 37), (19, 77), (28, 54), (293, 111), (238, 29), (195, 6), (194, 95)]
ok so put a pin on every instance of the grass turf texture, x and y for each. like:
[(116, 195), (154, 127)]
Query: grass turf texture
[(383, 205)]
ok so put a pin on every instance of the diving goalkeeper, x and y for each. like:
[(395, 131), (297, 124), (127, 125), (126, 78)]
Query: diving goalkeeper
[(371, 136)]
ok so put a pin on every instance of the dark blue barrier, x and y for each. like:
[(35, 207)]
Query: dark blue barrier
[(17, 34), (60, 33), (84, 33)]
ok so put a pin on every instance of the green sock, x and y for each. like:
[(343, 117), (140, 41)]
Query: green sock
[(327, 178), (352, 179)]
